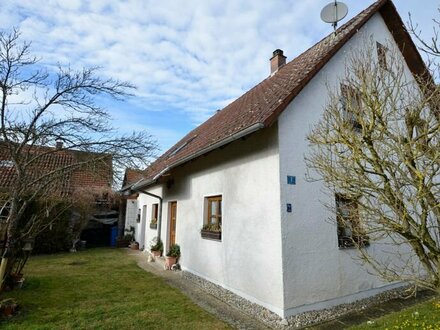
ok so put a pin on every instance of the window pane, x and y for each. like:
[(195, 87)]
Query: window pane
[(214, 208)]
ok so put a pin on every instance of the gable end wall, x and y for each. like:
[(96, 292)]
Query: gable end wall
[(316, 273)]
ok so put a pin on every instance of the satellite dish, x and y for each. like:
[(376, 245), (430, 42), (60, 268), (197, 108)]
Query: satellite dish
[(334, 12)]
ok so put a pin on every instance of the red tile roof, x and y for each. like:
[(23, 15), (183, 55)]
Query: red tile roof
[(97, 175), (132, 176), (261, 106)]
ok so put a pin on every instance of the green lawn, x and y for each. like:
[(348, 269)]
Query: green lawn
[(101, 289), (424, 316)]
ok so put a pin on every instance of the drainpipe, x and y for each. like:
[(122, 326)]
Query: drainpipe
[(159, 220)]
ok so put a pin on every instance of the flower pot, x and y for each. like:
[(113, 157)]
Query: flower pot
[(8, 307), (8, 310), (122, 243), (156, 253), (169, 261), (215, 235), (134, 246)]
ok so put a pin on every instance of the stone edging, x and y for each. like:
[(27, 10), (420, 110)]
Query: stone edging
[(296, 321)]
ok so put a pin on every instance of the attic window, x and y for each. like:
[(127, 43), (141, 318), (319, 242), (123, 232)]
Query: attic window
[(382, 55), (179, 148)]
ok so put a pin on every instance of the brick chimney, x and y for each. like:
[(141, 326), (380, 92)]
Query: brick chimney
[(277, 61)]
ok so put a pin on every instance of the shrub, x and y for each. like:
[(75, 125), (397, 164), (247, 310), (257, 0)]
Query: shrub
[(156, 244)]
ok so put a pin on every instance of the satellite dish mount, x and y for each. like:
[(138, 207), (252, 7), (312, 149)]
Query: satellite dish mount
[(334, 12)]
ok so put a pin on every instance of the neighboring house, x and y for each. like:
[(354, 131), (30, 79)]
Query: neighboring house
[(129, 206), (93, 177), (242, 172), (90, 183)]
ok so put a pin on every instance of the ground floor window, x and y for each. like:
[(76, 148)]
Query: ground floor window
[(350, 233), (154, 214), (212, 223)]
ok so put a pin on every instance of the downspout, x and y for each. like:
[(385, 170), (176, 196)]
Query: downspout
[(159, 220)]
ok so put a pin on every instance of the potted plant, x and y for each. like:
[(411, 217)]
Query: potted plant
[(212, 231), (127, 239), (124, 241), (153, 223), (172, 256), (156, 247), (8, 306)]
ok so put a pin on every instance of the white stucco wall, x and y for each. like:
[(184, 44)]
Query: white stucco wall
[(130, 214), (287, 262), (247, 260), (147, 200), (317, 274)]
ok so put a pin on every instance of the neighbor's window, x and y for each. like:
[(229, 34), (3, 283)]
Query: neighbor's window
[(351, 103), (350, 233), (154, 212), (213, 219), (382, 55)]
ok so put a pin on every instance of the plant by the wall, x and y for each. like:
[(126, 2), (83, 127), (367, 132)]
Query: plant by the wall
[(212, 227), (174, 251), (156, 244)]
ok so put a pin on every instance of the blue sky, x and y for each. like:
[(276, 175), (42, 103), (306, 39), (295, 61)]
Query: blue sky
[(187, 58)]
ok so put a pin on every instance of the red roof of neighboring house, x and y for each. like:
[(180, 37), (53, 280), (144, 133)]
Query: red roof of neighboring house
[(132, 176), (261, 106), (96, 175)]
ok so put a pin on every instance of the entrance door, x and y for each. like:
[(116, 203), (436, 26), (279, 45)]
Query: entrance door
[(172, 222)]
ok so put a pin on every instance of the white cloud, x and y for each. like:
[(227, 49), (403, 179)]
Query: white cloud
[(193, 56)]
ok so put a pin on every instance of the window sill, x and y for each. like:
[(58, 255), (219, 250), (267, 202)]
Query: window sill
[(153, 225), (213, 235)]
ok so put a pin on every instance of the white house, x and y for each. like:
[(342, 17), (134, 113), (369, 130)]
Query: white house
[(243, 171)]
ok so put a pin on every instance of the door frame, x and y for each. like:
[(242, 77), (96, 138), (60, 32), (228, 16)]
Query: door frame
[(170, 206), (143, 226)]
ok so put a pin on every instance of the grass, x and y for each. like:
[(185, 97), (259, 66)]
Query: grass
[(424, 316), (100, 289)]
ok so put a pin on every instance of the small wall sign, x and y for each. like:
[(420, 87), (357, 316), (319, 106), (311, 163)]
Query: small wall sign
[(289, 208), (291, 179)]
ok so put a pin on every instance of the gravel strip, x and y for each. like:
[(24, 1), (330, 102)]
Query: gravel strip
[(297, 321), (315, 317)]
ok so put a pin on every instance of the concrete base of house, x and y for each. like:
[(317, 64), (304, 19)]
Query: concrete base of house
[(343, 301), (302, 315), (242, 302)]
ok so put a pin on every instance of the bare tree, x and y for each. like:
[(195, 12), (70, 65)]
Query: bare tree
[(431, 47), (377, 149), (40, 108)]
